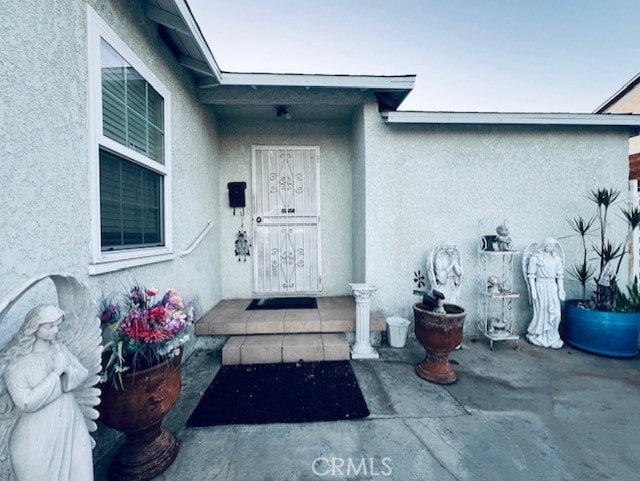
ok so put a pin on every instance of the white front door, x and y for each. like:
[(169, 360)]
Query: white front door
[(286, 220)]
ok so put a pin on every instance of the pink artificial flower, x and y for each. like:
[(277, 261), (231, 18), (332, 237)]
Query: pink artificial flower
[(151, 291)]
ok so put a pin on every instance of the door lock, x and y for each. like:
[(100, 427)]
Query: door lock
[(258, 219)]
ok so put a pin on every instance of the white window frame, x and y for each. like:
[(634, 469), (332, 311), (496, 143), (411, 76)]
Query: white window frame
[(101, 261)]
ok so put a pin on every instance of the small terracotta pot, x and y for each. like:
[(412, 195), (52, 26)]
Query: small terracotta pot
[(439, 334), (138, 411)]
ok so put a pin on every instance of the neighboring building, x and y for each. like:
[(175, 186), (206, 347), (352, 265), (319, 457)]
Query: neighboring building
[(627, 101), (120, 135)]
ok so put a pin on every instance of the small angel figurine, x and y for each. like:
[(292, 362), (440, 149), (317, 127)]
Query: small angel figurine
[(504, 241), (46, 393), (543, 267), (445, 271)]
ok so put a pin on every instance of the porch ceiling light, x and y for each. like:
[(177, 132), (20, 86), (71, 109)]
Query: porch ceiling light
[(282, 112)]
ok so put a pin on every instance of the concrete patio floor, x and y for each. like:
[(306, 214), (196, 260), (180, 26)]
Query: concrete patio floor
[(528, 414)]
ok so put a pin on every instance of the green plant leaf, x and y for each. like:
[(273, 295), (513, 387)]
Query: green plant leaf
[(604, 197), (629, 302), (632, 216), (580, 225), (607, 252)]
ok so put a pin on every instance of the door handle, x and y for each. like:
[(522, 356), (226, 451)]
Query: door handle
[(258, 219)]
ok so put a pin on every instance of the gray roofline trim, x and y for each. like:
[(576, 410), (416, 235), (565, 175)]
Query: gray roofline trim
[(624, 90), (512, 118), (391, 82)]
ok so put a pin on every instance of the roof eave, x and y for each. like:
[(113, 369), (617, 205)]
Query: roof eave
[(375, 82), (390, 90), (181, 20)]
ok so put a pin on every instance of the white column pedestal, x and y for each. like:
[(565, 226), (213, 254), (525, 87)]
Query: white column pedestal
[(362, 348)]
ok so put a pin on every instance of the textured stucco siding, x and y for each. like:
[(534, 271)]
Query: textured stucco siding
[(45, 223), (358, 172), (333, 138), (427, 184)]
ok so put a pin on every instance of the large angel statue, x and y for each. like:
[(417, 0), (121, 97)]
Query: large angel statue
[(543, 267), (48, 371), (445, 271)]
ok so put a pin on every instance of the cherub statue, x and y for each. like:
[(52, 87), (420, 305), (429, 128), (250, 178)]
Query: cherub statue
[(445, 271), (47, 399), (543, 267), (504, 241)]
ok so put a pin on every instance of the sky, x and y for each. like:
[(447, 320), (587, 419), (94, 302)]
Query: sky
[(468, 55)]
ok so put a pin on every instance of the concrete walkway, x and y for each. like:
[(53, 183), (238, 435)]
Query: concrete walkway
[(528, 414)]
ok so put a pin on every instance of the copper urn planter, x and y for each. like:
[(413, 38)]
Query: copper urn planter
[(439, 334), (138, 411)]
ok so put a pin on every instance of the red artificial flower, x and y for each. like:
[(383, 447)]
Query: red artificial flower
[(153, 335), (158, 314)]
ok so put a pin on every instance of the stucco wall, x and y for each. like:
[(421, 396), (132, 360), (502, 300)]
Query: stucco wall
[(236, 138), (427, 184), (358, 209), (44, 180)]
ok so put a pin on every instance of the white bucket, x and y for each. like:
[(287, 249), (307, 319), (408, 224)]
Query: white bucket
[(397, 330)]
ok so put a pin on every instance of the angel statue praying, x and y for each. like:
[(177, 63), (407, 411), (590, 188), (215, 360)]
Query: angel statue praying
[(543, 267), (46, 399)]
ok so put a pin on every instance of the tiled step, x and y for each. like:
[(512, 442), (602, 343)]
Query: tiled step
[(276, 348), (334, 314)]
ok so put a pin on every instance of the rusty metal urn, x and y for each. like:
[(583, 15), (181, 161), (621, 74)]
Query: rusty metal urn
[(439, 334), (138, 410)]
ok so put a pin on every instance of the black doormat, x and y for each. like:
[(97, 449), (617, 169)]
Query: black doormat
[(283, 303), (281, 393)]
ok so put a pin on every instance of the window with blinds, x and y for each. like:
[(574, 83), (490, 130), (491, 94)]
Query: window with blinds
[(131, 193)]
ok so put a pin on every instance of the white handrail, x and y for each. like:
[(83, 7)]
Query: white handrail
[(198, 239)]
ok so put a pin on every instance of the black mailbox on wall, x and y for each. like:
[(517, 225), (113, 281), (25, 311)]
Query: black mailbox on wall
[(236, 194)]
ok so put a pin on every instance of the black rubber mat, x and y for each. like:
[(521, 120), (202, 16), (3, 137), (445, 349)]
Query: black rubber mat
[(281, 393), (283, 303)]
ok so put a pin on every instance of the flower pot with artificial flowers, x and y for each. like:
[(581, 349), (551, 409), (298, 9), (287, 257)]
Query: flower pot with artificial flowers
[(145, 333)]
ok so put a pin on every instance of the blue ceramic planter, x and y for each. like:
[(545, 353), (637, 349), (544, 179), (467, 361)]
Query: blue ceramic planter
[(611, 334)]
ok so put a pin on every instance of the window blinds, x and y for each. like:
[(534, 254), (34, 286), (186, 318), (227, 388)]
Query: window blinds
[(130, 204), (132, 111)]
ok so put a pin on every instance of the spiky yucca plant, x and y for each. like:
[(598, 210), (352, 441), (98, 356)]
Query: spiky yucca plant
[(605, 297), (584, 271)]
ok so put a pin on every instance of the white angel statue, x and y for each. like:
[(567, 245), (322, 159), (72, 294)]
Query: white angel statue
[(445, 271), (543, 267), (47, 399)]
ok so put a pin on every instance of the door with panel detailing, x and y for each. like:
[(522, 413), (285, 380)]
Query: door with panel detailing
[(286, 220)]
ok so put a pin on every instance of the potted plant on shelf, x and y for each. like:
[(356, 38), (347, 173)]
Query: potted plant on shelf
[(608, 322), (439, 328), (142, 377)]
